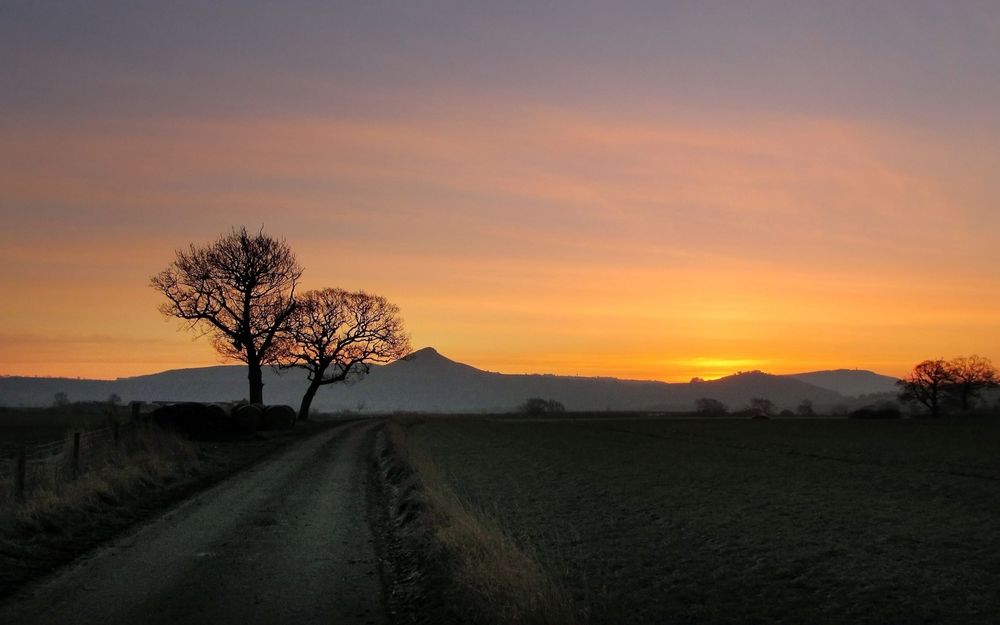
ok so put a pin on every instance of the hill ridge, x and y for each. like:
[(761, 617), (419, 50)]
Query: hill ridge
[(428, 381)]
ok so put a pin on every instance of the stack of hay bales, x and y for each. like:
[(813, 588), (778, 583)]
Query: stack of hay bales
[(193, 419), (221, 420)]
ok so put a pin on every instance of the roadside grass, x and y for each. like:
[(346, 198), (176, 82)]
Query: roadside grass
[(699, 521), (147, 457), (490, 577), (62, 518)]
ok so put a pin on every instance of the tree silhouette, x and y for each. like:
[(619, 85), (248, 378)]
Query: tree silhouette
[(334, 334), (927, 384), (762, 407), (239, 290), (710, 407), (969, 376)]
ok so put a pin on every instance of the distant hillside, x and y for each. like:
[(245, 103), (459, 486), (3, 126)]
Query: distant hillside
[(426, 381), (850, 382), (207, 384)]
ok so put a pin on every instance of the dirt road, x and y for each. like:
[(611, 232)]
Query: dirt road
[(286, 541)]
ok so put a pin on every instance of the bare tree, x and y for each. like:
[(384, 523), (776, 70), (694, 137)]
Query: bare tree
[(762, 407), (240, 291), (805, 409), (335, 334), (969, 376), (927, 384), (710, 407)]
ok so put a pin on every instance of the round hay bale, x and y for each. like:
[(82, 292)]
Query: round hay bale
[(279, 417), (214, 420), (247, 418), (168, 416), (192, 419)]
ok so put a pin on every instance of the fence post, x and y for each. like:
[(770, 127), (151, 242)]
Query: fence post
[(22, 466), (76, 455)]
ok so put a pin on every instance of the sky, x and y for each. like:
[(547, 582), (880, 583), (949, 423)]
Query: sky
[(649, 190)]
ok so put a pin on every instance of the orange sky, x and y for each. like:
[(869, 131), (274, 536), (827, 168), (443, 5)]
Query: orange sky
[(520, 230)]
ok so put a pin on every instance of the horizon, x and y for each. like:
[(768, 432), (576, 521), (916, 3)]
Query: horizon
[(643, 192), (437, 352)]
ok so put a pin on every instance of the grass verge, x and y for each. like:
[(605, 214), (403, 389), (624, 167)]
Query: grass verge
[(452, 563), (64, 520)]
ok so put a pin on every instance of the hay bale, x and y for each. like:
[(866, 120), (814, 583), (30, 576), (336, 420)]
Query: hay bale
[(247, 418), (279, 417), (192, 419)]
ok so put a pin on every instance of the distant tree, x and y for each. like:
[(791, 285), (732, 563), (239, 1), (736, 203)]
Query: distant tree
[(334, 334), (114, 399), (239, 290), (927, 385), (709, 407), (60, 400), (762, 407), (805, 409), (968, 377), (697, 380), (539, 406), (840, 410), (883, 410)]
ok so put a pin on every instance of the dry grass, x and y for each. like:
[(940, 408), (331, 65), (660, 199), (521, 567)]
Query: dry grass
[(151, 470), (494, 578), (62, 517), (146, 457)]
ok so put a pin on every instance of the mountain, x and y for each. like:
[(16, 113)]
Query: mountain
[(850, 382), (426, 381)]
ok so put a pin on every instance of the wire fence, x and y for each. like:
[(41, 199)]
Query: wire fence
[(32, 468)]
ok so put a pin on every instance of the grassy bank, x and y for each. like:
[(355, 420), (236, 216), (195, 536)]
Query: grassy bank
[(151, 470), (453, 563)]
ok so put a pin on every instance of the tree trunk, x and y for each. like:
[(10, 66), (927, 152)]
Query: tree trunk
[(256, 383), (307, 400)]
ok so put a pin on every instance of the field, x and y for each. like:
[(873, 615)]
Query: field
[(30, 426), (740, 521)]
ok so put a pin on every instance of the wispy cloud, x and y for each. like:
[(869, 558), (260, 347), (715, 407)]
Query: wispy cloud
[(606, 240)]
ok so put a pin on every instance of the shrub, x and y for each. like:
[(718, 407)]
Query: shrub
[(880, 412), (539, 406)]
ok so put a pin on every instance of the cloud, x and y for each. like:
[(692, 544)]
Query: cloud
[(600, 237)]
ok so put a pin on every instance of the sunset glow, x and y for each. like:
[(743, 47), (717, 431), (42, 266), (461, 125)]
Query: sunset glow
[(695, 216)]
